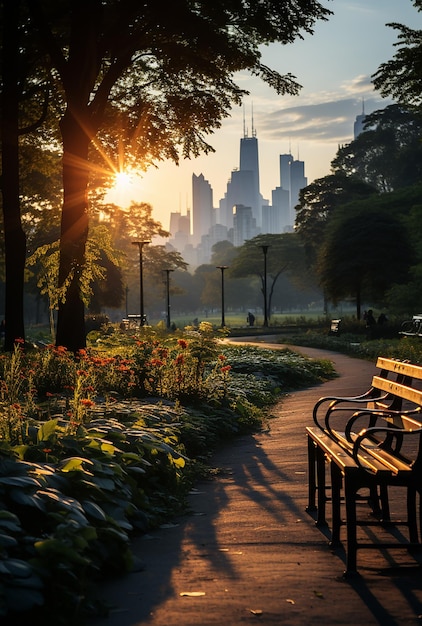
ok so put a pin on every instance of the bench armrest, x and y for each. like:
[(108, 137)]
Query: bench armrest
[(334, 401), (383, 451)]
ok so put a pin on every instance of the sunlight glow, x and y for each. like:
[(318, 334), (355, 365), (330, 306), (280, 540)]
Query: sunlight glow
[(122, 180), (125, 188)]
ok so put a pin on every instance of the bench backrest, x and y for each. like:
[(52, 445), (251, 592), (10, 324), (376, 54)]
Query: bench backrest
[(405, 388), (402, 374)]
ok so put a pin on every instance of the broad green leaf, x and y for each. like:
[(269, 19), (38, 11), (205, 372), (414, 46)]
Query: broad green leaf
[(109, 448), (93, 510), (46, 430)]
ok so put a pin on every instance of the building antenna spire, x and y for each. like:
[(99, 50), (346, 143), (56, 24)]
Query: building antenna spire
[(363, 105), (253, 129), (245, 132)]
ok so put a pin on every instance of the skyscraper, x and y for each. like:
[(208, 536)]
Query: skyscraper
[(243, 186), (359, 122), (202, 207), (285, 197)]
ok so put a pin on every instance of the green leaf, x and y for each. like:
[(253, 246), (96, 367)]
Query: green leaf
[(75, 464), (46, 430), (15, 567), (59, 551), (7, 541), (109, 448), (27, 499), (93, 510), (20, 481)]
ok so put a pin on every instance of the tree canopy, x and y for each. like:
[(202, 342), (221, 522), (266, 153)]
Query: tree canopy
[(401, 76), (388, 153), (364, 253), (284, 254)]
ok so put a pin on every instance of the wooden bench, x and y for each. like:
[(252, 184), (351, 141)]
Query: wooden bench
[(335, 327), (369, 442), (413, 327)]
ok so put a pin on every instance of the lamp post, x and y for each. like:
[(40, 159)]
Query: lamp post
[(141, 245), (222, 268), (265, 250), (168, 295)]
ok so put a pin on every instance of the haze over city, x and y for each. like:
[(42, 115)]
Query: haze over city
[(334, 67)]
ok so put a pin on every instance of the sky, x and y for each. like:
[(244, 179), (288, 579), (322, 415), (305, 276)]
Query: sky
[(334, 67)]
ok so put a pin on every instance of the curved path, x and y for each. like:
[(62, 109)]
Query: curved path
[(250, 553)]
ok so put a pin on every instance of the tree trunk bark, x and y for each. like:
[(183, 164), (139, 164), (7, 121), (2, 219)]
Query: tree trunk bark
[(14, 236), (74, 231)]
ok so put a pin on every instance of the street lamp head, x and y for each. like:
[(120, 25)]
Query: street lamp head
[(140, 243), (265, 249), (221, 267)]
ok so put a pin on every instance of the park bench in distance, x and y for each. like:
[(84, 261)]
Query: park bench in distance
[(369, 442), (335, 327), (413, 327)]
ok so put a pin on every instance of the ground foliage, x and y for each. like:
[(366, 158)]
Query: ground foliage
[(97, 446)]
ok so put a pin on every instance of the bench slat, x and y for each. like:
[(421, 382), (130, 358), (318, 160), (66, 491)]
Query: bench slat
[(399, 367), (397, 389)]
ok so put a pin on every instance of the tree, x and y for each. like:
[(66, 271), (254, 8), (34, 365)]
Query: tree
[(319, 201), (365, 252), (24, 96), (14, 236), (401, 76), (284, 254), (162, 77), (388, 153)]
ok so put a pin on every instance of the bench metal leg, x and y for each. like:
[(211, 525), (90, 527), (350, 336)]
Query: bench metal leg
[(411, 514), (322, 497), (312, 487), (350, 491), (336, 485)]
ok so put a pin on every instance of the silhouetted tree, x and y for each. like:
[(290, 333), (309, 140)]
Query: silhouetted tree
[(318, 203), (401, 76), (388, 153), (364, 253), (285, 254)]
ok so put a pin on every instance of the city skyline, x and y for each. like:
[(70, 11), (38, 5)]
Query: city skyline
[(334, 66)]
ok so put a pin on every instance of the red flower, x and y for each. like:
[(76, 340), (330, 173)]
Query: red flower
[(87, 402), (182, 343)]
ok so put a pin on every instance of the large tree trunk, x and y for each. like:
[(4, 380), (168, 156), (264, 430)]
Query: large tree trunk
[(14, 236), (74, 232)]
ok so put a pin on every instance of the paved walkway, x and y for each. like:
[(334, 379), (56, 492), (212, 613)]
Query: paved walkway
[(250, 553)]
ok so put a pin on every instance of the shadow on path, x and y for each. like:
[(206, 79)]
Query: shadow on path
[(249, 550)]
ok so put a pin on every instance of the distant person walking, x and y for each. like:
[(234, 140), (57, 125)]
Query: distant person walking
[(370, 323), (250, 319), (382, 319)]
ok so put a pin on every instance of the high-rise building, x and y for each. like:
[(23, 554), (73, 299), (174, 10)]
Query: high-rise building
[(243, 186), (244, 224), (358, 126), (202, 208), (298, 181), (285, 197), (276, 218), (179, 230)]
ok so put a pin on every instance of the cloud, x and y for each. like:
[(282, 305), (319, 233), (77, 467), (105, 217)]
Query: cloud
[(330, 121)]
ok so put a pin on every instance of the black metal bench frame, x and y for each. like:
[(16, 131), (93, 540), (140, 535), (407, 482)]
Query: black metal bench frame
[(371, 459)]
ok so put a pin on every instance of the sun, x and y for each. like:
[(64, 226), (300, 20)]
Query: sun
[(122, 181), (124, 188)]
